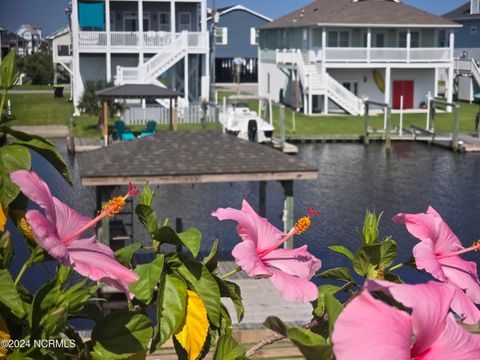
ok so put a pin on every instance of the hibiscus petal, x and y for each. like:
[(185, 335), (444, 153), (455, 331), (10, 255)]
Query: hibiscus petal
[(245, 254), (463, 306), (36, 190), (46, 236), (293, 288), (429, 303), (446, 241), (463, 274), (368, 329), (425, 259), (96, 261), (298, 262), (454, 343), (246, 225), (422, 226), (68, 220)]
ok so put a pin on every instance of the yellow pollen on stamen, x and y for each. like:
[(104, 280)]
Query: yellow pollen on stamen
[(26, 230), (302, 224), (114, 206)]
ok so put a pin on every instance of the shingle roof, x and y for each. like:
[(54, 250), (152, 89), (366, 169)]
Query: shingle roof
[(138, 91), (359, 13), (191, 156), (461, 13)]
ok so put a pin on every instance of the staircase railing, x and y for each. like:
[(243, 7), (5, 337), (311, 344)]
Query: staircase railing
[(343, 96), (178, 44), (475, 71)]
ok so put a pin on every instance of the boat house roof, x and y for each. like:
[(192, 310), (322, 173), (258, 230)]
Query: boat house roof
[(138, 91), (189, 157), (360, 13)]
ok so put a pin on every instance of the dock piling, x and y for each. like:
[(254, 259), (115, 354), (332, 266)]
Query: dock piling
[(282, 125), (365, 139)]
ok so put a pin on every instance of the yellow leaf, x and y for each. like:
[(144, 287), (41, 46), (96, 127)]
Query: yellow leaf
[(4, 335), (194, 332), (3, 219)]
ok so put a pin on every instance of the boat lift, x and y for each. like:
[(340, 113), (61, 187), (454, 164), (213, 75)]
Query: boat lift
[(388, 122), (432, 105)]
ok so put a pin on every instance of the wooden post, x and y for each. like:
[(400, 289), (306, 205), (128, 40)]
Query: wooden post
[(103, 194), (105, 123), (171, 113), (282, 125), (288, 210), (455, 128), (262, 187), (175, 115), (365, 138), (388, 142)]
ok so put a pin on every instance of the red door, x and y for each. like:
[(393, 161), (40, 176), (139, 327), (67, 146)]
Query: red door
[(403, 88)]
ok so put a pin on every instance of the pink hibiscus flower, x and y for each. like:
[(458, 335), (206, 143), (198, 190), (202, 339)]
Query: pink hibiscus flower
[(58, 231), (260, 256), (438, 250), (369, 329)]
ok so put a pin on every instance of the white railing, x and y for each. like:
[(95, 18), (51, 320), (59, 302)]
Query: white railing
[(343, 96), (289, 56), (463, 65), (177, 45), (392, 54), (193, 114), (197, 41), (130, 75), (475, 71), (92, 39)]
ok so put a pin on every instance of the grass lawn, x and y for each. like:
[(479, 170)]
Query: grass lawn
[(40, 109), (29, 86), (44, 109)]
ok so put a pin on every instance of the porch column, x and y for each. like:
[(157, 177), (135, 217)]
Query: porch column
[(107, 28), (186, 85), (325, 104), (77, 88), (173, 25), (310, 103), (288, 210), (105, 123), (451, 70), (388, 84), (409, 41), (203, 16), (435, 85), (140, 31), (305, 104), (324, 49), (369, 43)]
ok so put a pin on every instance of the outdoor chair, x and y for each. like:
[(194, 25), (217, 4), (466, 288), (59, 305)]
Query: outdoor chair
[(150, 129), (123, 134)]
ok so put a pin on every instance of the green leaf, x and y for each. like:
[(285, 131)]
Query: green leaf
[(319, 305), (204, 284), (311, 345), (147, 217), (191, 238), (277, 325), (125, 254), (171, 308), (228, 349), (333, 308), (211, 261), (388, 276), (366, 260), (12, 158), (76, 296), (370, 227), (45, 148), (17, 355), (44, 302), (9, 295), (149, 277), (388, 252), (120, 335), (147, 196), (54, 322), (338, 273), (232, 291), (342, 250), (6, 250), (8, 71)]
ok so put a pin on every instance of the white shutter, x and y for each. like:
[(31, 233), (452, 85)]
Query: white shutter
[(253, 36), (225, 36), (474, 6)]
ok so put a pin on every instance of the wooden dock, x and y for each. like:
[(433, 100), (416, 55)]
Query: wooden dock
[(286, 147), (78, 145)]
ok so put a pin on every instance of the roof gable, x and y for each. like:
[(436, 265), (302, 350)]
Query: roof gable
[(461, 13), (226, 10), (360, 13)]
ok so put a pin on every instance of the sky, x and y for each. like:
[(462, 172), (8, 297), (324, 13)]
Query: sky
[(49, 15)]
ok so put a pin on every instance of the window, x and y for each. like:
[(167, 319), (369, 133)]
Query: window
[(163, 21), (473, 30), (221, 35), (112, 20), (63, 50), (146, 21), (130, 21), (338, 39), (379, 40), (185, 21), (254, 34), (414, 39)]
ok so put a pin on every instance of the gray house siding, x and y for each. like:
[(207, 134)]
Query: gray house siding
[(467, 42), (239, 23)]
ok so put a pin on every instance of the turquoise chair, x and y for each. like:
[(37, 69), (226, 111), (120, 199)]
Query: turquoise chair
[(150, 129), (123, 134)]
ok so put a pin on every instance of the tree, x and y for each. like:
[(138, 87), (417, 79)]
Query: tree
[(38, 67)]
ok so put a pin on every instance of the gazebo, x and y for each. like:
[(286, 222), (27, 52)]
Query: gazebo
[(135, 91), (192, 158)]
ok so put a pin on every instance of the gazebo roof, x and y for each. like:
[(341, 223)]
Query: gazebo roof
[(138, 91), (189, 157)]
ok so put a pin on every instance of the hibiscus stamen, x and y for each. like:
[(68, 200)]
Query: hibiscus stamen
[(110, 209), (474, 247), (302, 225)]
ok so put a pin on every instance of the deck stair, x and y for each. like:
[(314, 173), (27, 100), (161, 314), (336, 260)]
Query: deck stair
[(315, 82), (468, 67)]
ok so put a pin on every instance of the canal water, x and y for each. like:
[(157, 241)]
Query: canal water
[(351, 179)]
